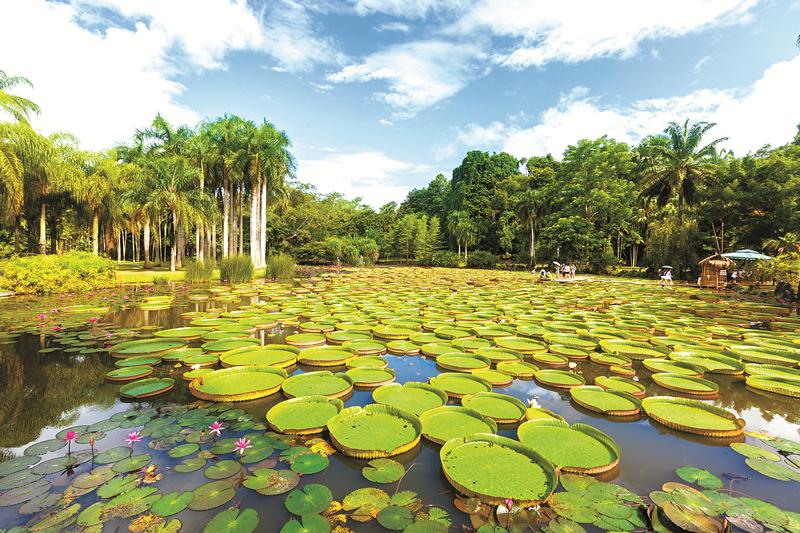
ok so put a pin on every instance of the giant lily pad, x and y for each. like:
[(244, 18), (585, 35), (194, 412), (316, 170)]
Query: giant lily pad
[(560, 379), (147, 388), (258, 356), (673, 367), (371, 377), (501, 408), (686, 384), (367, 361), (611, 403), (411, 396), (321, 383), (145, 347), (518, 369), (303, 416), (775, 371), (458, 385), (129, 373), (138, 360), (578, 448), (495, 468), (186, 333), (693, 416), (459, 362), (238, 384), (444, 423), (305, 340), (325, 356), (620, 384), (374, 431), (785, 387)]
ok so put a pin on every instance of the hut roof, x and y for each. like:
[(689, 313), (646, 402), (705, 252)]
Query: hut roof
[(718, 260)]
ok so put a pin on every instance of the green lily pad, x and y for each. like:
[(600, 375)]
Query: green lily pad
[(131, 464), (129, 373), (304, 415), (309, 463), (559, 379), (367, 361), (17, 464), (371, 377), (223, 469), (258, 356), (577, 448), (693, 416), (495, 468), (749, 450), (190, 464), (224, 345), (312, 523), (686, 384), (518, 369), (139, 360), (95, 478), (620, 384), (305, 339), (458, 385), (772, 469), (325, 356), (118, 485), (24, 493), (57, 519), (146, 388), (698, 476), (18, 479), (374, 431), (785, 387), (271, 482), (412, 396), (672, 367), (130, 503), (60, 464), (44, 447), (320, 383), (183, 450), (185, 333), (395, 518), (233, 521), (501, 408), (383, 471), (311, 499), (238, 383), (172, 503), (145, 347), (211, 495), (462, 362), (608, 402), (444, 423)]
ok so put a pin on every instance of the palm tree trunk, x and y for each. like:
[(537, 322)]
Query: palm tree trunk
[(124, 245), (241, 220), (119, 247), (174, 248), (146, 243), (180, 237), (262, 233), (16, 235), (533, 243), (42, 228), (213, 239), (255, 211), (226, 203), (466, 251), (95, 234)]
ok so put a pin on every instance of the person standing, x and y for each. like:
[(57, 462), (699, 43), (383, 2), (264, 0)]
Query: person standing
[(572, 270)]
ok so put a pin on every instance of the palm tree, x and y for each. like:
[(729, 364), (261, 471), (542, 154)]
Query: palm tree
[(11, 170), (787, 243), (674, 163), (20, 108), (529, 206), (171, 185)]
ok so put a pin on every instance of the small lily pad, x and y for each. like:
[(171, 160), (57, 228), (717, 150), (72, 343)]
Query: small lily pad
[(212, 495), (270, 482), (383, 471), (309, 463), (172, 503), (395, 518), (233, 521), (223, 469), (183, 450), (311, 499), (312, 523), (190, 464)]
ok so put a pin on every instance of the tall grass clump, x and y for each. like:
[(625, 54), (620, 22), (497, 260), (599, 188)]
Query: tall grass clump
[(199, 271), (280, 266), (236, 269)]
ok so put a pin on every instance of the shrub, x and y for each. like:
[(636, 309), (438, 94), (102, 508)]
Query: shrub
[(482, 259), (49, 274), (280, 266), (199, 271), (236, 269), (442, 258), (161, 280)]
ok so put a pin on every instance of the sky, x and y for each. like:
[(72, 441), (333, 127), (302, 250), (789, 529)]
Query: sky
[(378, 96)]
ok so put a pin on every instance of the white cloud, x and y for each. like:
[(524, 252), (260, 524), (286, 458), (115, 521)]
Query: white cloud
[(371, 175), (419, 74), (577, 30), (699, 65), (105, 67), (386, 122), (400, 27), (765, 112), (408, 8)]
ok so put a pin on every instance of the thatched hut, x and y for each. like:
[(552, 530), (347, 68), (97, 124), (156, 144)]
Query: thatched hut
[(715, 270)]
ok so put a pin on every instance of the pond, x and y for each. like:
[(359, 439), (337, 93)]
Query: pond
[(479, 325)]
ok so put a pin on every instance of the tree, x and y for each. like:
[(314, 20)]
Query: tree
[(11, 170), (673, 164), (17, 106), (530, 204)]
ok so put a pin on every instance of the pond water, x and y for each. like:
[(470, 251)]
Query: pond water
[(45, 389)]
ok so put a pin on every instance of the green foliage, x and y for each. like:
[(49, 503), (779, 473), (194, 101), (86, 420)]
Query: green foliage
[(442, 258), (199, 271), (71, 272), (160, 280), (482, 259), (280, 266), (236, 269)]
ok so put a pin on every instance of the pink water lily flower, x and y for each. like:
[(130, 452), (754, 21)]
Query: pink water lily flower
[(241, 445), (509, 503), (57, 328), (70, 436), (94, 319), (41, 316), (133, 437), (216, 428)]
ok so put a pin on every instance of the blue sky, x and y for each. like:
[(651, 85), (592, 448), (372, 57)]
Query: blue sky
[(380, 95)]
